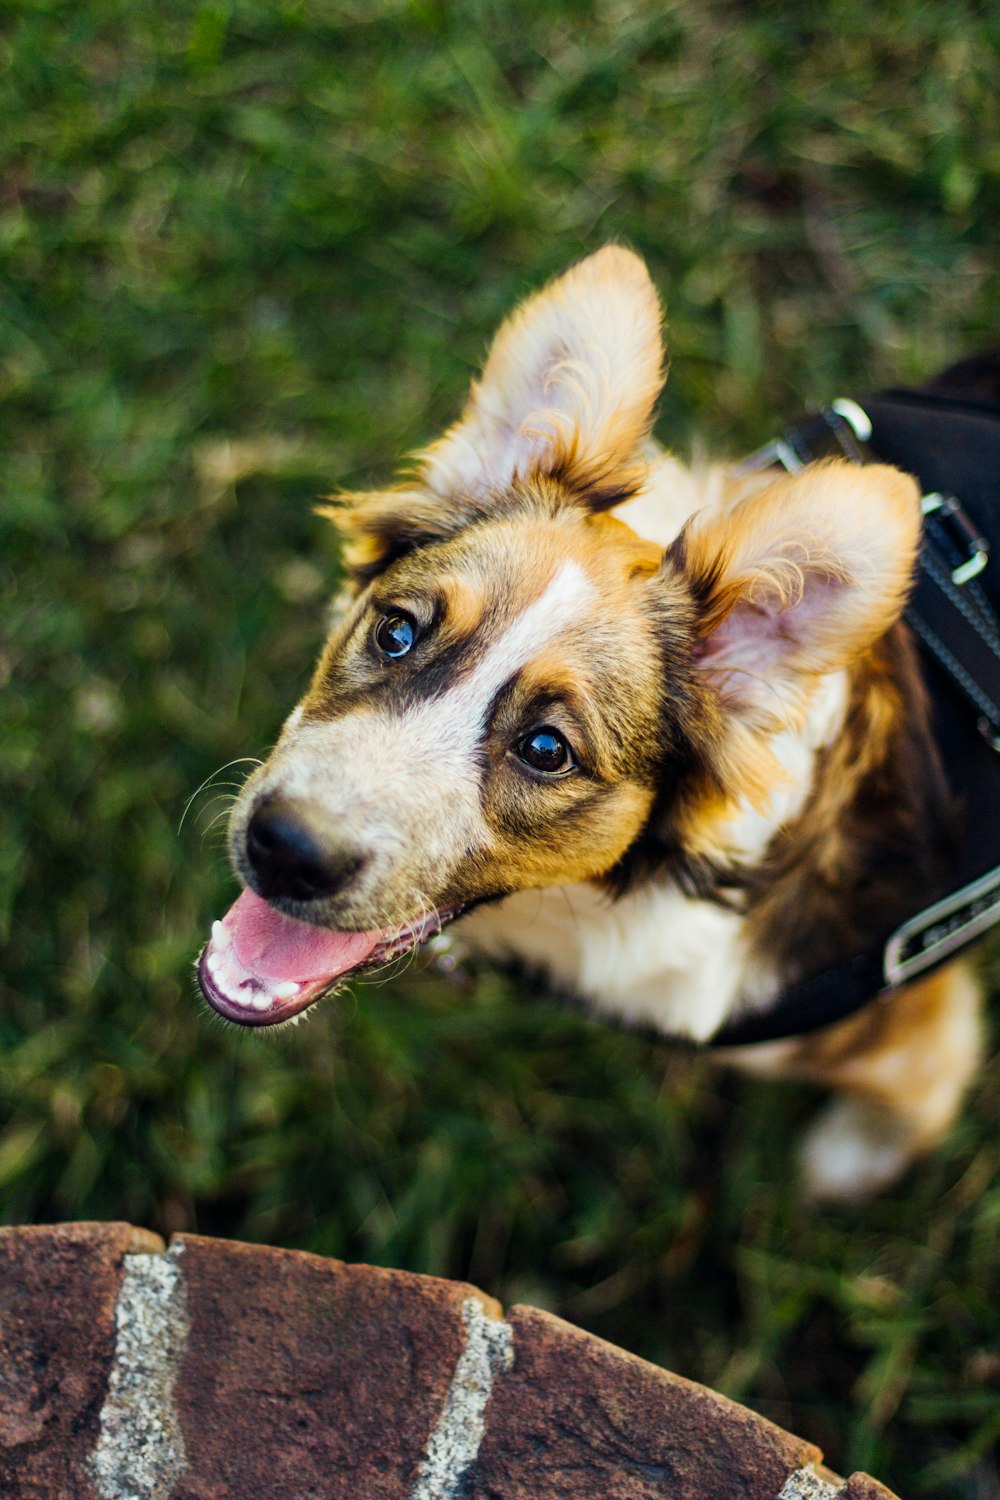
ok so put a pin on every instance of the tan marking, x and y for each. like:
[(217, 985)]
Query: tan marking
[(523, 864), (463, 607)]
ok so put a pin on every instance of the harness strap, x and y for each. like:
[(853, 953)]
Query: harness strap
[(947, 609), (959, 631), (809, 1005)]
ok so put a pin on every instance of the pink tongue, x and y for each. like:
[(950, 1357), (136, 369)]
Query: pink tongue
[(274, 946)]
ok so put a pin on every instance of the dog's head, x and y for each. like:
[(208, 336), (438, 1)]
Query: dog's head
[(520, 692)]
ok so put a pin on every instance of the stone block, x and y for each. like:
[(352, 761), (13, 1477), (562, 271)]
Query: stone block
[(58, 1290), (224, 1371), (304, 1377), (577, 1419)]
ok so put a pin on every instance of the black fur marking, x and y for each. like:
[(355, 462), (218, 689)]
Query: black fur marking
[(440, 671), (596, 491), (685, 719)]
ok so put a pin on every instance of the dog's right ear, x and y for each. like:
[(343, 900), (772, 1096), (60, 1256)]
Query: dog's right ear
[(567, 393)]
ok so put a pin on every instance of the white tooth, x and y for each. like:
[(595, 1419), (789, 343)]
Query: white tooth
[(221, 936), (286, 990), (213, 963), (261, 1002)]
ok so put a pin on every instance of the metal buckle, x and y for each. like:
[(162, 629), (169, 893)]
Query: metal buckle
[(855, 416), (947, 508), (950, 924), (844, 422), (778, 451)]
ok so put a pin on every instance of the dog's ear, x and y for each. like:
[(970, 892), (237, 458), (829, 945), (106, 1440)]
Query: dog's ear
[(797, 580), (568, 390)]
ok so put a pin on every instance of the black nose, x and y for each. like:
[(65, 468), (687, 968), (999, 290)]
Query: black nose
[(289, 859)]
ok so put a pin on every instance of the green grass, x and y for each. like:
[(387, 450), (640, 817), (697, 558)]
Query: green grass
[(252, 252)]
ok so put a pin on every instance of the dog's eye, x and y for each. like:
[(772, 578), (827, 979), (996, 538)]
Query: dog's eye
[(546, 750), (394, 635)]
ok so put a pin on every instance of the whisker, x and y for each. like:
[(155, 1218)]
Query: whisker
[(397, 965), (220, 816), (240, 760)]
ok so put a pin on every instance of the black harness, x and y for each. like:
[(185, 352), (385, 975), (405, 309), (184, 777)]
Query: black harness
[(952, 445)]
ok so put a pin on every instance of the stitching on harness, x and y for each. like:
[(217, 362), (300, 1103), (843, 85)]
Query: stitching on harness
[(951, 663), (943, 581)]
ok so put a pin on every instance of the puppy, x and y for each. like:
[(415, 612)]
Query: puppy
[(657, 734)]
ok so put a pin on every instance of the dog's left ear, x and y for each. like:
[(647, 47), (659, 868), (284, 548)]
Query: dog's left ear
[(568, 389), (798, 580)]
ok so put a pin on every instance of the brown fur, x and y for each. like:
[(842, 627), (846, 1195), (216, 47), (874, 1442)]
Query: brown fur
[(874, 835)]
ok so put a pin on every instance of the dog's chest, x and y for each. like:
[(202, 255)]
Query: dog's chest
[(655, 957)]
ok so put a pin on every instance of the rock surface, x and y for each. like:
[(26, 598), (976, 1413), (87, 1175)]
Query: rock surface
[(216, 1371)]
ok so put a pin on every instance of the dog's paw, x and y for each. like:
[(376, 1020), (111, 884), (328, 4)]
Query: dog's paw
[(853, 1151)]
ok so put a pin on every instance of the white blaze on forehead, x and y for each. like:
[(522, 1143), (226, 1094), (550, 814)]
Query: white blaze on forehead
[(557, 607)]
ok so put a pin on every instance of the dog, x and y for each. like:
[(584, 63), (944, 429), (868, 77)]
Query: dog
[(656, 732)]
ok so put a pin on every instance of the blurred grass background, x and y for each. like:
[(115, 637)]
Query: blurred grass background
[(252, 252)]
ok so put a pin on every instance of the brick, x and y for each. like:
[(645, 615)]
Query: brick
[(304, 1377), (578, 1419), (863, 1487), (58, 1288)]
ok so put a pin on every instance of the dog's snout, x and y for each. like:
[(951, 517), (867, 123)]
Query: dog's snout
[(290, 859)]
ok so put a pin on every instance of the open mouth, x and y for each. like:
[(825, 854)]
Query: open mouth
[(260, 967)]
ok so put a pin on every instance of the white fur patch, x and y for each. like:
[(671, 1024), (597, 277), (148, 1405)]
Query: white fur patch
[(460, 713), (752, 830), (655, 957), (853, 1150), (671, 496)]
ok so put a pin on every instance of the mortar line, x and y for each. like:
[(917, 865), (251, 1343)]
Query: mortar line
[(454, 1443), (140, 1450), (806, 1484)]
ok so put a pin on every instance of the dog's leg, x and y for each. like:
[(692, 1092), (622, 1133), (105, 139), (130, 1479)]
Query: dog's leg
[(901, 1068)]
